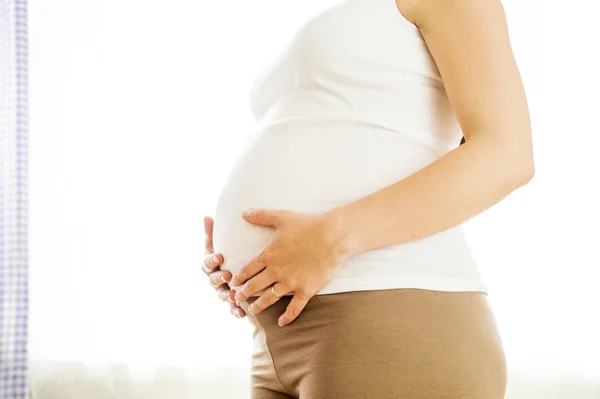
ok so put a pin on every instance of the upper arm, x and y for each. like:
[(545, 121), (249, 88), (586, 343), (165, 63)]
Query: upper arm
[(469, 42)]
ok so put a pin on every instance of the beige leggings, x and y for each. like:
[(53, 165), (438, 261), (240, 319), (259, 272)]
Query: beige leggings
[(380, 344)]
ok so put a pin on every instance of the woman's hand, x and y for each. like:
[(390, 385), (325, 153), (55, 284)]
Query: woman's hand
[(216, 277), (302, 257)]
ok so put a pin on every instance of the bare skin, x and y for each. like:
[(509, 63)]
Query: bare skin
[(218, 278)]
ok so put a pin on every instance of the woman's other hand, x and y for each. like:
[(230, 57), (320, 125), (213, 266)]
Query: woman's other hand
[(218, 278)]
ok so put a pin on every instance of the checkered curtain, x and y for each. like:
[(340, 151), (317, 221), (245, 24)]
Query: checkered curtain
[(13, 199)]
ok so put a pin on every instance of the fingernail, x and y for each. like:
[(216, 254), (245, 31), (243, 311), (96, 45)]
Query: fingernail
[(280, 322), (223, 278), (238, 315), (216, 259), (247, 212), (251, 309)]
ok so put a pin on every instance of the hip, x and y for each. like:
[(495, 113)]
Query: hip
[(380, 343)]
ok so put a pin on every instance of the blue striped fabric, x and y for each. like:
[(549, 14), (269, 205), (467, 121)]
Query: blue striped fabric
[(13, 199)]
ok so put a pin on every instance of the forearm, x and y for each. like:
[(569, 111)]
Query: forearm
[(461, 184)]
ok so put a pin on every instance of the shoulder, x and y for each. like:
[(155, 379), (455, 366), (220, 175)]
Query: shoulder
[(441, 14)]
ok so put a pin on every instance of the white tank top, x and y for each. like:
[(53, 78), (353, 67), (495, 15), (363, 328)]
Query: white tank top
[(353, 103)]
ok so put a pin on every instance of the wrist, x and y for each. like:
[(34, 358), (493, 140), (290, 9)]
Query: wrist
[(337, 234)]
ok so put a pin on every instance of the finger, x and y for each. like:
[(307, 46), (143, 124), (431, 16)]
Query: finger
[(256, 284), (208, 234), (267, 299), (236, 310), (211, 262), (263, 217), (293, 309), (219, 277), (251, 268), (225, 294)]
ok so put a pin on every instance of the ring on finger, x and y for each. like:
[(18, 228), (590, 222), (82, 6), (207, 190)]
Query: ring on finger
[(274, 292)]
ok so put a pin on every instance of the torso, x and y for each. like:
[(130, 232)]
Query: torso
[(353, 103)]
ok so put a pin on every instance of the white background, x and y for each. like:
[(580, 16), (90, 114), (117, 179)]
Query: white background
[(138, 110)]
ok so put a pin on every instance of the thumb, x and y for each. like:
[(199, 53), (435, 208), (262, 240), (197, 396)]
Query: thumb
[(262, 217)]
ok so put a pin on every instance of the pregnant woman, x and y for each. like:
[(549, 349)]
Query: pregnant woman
[(338, 231)]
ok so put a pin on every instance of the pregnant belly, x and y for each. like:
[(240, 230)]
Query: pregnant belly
[(306, 170)]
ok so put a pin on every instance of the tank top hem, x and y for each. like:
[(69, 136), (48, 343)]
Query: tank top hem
[(396, 281)]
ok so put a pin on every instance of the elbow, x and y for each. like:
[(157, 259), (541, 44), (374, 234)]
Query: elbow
[(523, 170), (513, 158), (517, 158), (529, 172)]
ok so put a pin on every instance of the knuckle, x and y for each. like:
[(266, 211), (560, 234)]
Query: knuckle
[(265, 256), (288, 281), (275, 273), (304, 294), (213, 282), (242, 274), (208, 261), (248, 288), (271, 299)]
